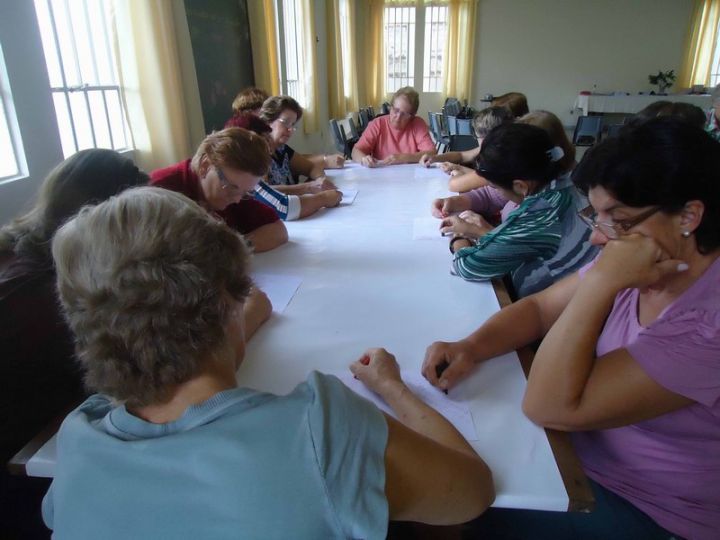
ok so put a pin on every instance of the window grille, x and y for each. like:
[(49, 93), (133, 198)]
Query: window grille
[(83, 80)]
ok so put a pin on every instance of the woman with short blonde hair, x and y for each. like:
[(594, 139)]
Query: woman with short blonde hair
[(153, 287)]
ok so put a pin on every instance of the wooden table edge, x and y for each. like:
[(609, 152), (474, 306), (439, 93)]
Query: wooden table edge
[(580, 495)]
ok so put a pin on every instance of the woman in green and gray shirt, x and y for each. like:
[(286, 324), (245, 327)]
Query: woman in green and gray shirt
[(541, 238)]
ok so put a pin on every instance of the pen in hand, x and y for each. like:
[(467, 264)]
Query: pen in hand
[(439, 371)]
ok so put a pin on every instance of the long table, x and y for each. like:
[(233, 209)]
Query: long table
[(368, 279)]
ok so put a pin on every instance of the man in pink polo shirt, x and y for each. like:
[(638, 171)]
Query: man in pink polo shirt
[(399, 137)]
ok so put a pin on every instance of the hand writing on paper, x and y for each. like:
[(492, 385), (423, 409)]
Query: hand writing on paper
[(320, 184), (369, 161), (332, 197), (441, 208), (446, 364), (334, 161), (426, 160), (448, 167), (377, 369), (460, 227)]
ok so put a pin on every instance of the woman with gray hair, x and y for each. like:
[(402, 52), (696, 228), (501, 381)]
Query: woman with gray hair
[(153, 287)]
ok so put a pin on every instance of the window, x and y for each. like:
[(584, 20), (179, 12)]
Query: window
[(404, 27), (399, 34), (11, 150), (435, 42), (83, 80), (344, 16), (715, 68), (291, 49)]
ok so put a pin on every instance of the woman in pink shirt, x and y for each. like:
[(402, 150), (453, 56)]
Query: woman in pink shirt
[(630, 357), (398, 137)]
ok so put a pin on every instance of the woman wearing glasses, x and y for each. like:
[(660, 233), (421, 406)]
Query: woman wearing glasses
[(398, 137), (630, 357), (282, 113), (221, 177)]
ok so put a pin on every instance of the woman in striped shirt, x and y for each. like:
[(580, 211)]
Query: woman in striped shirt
[(540, 239)]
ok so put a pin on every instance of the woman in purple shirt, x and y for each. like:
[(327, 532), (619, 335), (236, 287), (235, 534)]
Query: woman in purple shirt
[(630, 357)]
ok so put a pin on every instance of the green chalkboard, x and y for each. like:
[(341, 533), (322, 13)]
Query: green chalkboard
[(220, 37)]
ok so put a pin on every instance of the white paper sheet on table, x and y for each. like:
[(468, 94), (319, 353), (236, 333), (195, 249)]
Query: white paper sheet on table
[(280, 288), (348, 196), (457, 413), (426, 228), (426, 172)]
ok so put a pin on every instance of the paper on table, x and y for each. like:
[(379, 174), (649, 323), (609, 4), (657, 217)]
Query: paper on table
[(426, 172), (426, 228), (457, 413), (280, 288), (348, 196)]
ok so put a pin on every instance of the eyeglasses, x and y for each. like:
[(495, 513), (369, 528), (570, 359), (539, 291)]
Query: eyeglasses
[(287, 125), (398, 112), (614, 230), (228, 185)]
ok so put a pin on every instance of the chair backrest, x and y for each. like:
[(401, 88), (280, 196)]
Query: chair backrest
[(452, 124), (587, 130), (363, 119), (460, 143), (352, 129), (452, 106), (385, 108), (464, 127), (614, 129), (437, 127), (337, 136)]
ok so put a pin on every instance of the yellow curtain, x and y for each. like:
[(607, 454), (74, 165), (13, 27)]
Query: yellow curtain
[(149, 71), (308, 69), (371, 92), (458, 59), (263, 38), (700, 45), (341, 99)]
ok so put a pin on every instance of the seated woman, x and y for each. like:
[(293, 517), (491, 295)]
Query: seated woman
[(282, 114), (464, 178), (515, 102), (178, 450), (541, 238), (287, 207), (225, 168), (398, 137), (487, 202), (250, 101), (40, 376), (684, 111), (631, 348)]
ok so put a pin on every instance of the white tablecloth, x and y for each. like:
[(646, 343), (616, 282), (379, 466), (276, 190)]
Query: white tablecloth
[(634, 104), (367, 283)]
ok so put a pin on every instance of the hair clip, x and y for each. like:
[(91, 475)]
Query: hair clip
[(555, 154)]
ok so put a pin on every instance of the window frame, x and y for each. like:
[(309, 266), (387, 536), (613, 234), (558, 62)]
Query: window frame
[(418, 78)]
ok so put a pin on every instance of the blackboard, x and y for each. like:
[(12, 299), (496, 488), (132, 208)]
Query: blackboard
[(220, 37)]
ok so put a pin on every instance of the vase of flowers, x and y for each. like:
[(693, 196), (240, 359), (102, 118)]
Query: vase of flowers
[(663, 80)]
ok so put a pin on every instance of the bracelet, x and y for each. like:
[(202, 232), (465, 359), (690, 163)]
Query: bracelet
[(455, 239)]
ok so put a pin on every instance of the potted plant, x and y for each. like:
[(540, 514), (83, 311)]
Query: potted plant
[(663, 80)]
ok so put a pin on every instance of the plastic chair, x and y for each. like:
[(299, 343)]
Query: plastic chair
[(587, 130), (438, 130), (613, 130), (337, 136), (460, 143)]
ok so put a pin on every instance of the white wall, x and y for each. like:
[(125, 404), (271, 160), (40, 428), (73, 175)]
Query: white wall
[(552, 49)]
